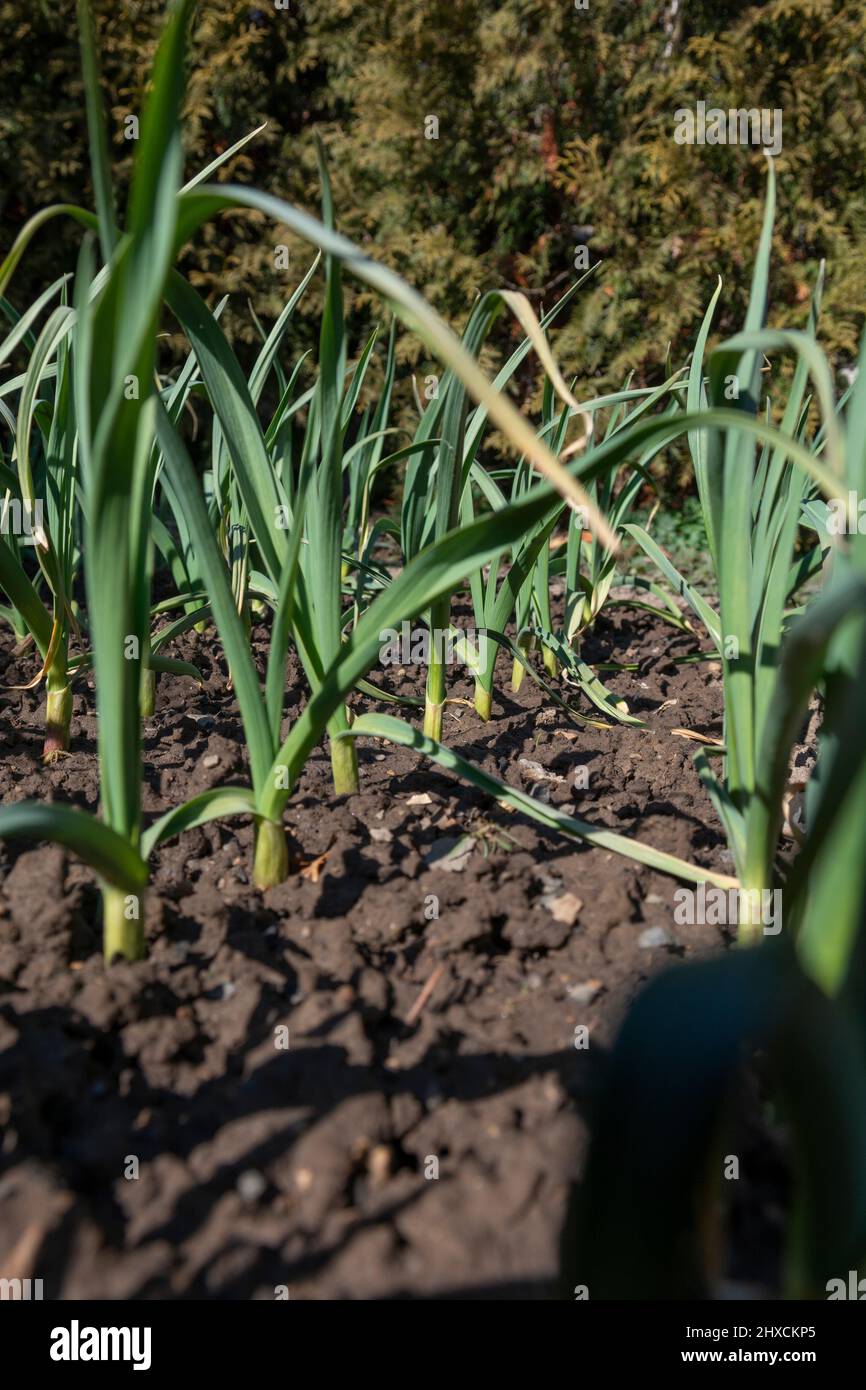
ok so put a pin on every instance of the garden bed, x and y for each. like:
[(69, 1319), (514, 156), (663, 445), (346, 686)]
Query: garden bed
[(411, 1037)]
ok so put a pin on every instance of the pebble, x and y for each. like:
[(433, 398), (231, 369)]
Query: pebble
[(654, 936), (451, 853), (586, 992), (563, 907), (251, 1185), (212, 760), (379, 1164), (537, 773)]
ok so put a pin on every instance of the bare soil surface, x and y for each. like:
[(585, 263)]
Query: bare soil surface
[(430, 999)]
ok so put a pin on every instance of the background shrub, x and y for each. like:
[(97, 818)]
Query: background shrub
[(555, 130)]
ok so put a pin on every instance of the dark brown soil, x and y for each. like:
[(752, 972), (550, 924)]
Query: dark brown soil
[(311, 1167)]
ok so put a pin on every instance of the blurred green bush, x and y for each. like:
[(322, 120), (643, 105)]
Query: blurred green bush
[(555, 130)]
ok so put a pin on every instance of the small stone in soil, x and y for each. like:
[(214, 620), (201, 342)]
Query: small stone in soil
[(654, 936), (379, 1164), (450, 853), (251, 1185), (584, 993), (563, 907), (536, 773)]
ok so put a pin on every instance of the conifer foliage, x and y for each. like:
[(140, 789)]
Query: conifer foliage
[(553, 131)]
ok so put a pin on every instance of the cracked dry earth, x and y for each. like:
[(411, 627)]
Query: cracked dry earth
[(416, 1040)]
